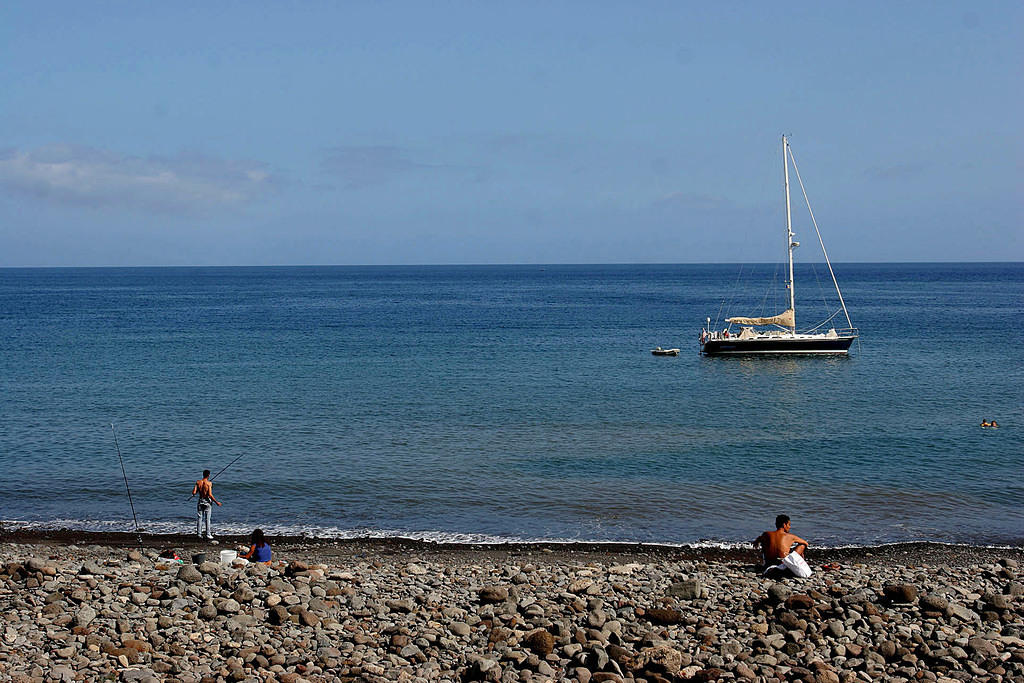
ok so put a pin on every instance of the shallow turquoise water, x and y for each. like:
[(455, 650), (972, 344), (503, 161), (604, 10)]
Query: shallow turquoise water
[(511, 402)]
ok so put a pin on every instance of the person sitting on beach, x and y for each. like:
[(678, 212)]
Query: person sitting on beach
[(259, 551), (775, 545)]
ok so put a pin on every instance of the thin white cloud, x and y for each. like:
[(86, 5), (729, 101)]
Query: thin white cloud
[(72, 175), (896, 171), (361, 166), (692, 201)]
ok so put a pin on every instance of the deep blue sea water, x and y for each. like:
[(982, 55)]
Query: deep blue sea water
[(520, 402)]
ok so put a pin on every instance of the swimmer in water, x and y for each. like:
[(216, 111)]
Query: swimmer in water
[(986, 423)]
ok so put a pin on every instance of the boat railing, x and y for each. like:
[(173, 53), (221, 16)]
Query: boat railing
[(715, 335), (838, 331), (834, 332)]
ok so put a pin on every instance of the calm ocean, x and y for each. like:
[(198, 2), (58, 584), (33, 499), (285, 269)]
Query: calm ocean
[(520, 402)]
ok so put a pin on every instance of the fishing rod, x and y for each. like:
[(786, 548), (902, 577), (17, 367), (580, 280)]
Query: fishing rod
[(118, 447), (221, 471)]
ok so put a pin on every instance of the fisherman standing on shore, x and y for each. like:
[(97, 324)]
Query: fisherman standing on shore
[(204, 509)]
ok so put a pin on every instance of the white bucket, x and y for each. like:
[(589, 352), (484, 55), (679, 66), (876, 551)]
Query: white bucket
[(228, 556)]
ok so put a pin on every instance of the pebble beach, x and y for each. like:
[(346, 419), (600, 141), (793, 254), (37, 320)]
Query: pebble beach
[(80, 606)]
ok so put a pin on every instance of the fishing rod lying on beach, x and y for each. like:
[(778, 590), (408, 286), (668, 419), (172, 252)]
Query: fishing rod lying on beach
[(221, 470), (138, 533)]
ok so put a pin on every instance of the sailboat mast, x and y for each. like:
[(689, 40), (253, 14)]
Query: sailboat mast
[(789, 230)]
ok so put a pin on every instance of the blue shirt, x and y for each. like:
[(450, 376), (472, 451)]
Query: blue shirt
[(260, 554)]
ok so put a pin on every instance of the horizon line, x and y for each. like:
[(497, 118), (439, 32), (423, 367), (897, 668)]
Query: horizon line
[(490, 265)]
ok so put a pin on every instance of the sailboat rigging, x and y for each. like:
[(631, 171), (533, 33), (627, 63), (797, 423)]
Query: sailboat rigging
[(781, 335)]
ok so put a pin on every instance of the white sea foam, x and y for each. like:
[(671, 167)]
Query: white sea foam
[(160, 528), (229, 529)]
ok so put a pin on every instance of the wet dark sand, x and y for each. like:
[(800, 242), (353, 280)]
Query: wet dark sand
[(902, 554)]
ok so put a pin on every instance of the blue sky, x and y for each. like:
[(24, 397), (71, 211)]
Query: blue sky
[(591, 132)]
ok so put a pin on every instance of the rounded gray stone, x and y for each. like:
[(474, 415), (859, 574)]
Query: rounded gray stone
[(229, 606), (84, 616), (189, 574)]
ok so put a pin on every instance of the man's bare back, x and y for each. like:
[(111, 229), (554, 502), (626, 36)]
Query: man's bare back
[(775, 545), (204, 487)]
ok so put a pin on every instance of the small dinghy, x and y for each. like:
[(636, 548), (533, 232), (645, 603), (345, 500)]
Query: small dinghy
[(664, 352)]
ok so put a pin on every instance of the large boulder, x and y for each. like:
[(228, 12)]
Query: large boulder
[(296, 567), (982, 646), (36, 564), (997, 601), (211, 568), (660, 660), (138, 645), (307, 618), (493, 594), (278, 615), (799, 602), (229, 606), (933, 603), (663, 616), (579, 586), (189, 574), (482, 669), (962, 613), (540, 641), (243, 594), (84, 616), (400, 606), (89, 567), (688, 589), (778, 593), (900, 593)]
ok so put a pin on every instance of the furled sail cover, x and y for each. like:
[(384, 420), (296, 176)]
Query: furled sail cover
[(785, 319)]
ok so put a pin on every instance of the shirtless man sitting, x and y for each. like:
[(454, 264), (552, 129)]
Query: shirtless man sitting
[(775, 545)]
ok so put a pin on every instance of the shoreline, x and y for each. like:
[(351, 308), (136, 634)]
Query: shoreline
[(900, 553)]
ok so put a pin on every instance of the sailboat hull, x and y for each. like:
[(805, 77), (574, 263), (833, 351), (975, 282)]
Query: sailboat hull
[(801, 344)]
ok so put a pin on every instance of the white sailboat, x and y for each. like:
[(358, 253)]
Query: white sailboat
[(778, 333)]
